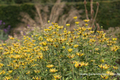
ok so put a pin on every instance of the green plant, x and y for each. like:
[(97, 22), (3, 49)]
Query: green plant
[(4, 32), (3, 36)]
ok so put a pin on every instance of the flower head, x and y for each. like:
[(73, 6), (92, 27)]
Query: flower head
[(67, 25), (53, 70), (75, 17), (70, 50), (104, 76), (50, 66), (86, 20), (57, 76)]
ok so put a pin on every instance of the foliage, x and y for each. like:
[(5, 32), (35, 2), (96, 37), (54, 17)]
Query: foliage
[(4, 32), (11, 14), (108, 14)]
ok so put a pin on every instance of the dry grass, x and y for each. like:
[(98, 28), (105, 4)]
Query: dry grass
[(42, 17)]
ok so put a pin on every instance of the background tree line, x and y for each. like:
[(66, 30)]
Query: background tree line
[(42, 1)]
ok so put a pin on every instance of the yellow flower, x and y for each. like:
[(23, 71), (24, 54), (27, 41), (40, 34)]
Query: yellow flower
[(4, 44), (40, 38), (71, 56), (80, 54), (67, 25), (104, 77), (36, 71), (79, 64), (50, 66), (53, 70), (40, 57), (86, 24), (104, 66), (114, 39), (92, 40), (70, 50), (1, 64), (61, 27), (56, 25), (110, 73), (85, 64), (49, 39), (102, 60), (96, 49), (92, 60), (63, 47), (10, 71), (48, 21), (35, 78), (1, 48), (44, 43), (75, 46), (91, 32), (86, 20), (89, 28), (75, 17), (11, 37), (113, 49), (57, 76), (115, 67), (28, 72), (3, 72), (77, 23), (7, 77)]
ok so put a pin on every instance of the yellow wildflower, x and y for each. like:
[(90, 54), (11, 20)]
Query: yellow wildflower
[(115, 67), (71, 56), (92, 40), (86, 20), (10, 71), (70, 50), (36, 71), (96, 49), (67, 25), (28, 72), (80, 54), (102, 60), (110, 73), (75, 46), (104, 66), (77, 23), (53, 70), (114, 39), (85, 64), (63, 47), (48, 21), (86, 24), (75, 17), (50, 66), (79, 64), (57, 76), (104, 77)]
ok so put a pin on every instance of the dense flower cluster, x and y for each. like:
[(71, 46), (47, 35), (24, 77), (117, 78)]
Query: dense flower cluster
[(56, 53)]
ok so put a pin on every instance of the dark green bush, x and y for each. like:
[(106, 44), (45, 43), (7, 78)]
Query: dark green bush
[(11, 13)]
